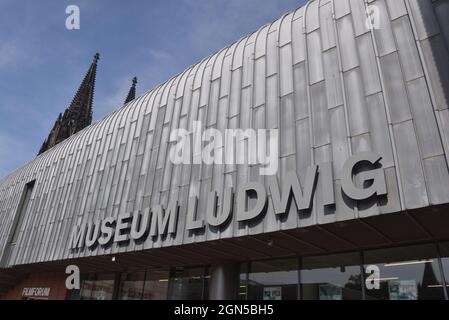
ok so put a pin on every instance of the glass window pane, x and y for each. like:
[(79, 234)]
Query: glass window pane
[(273, 280), (156, 285), (444, 252), (103, 287), (406, 273), (131, 286), (87, 283), (188, 284), (331, 277), (243, 283)]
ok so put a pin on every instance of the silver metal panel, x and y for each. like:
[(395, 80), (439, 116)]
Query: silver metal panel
[(298, 41), (412, 176), (285, 31), (395, 91), (259, 82), (323, 214), (380, 137), (312, 16), (339, 139), (333, 78), (300, 87), (368, 64), (437, 177), (393, 202), (314, 57), (436, 57), (272, 100), (396, 8), (332, 88), (287, 126), (248, 65), (384, 36), (424, 119), (424, 17), (358, 11), (347, 43), (358, 112), (261, 42), (442, 12), (303, 147), (407, 49), (361, 143), (320, 115), (272, 53), (286, 70), (341, 8), (327, 27)]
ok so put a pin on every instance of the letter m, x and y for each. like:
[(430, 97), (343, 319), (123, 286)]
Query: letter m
[(78, 236), (164, 221)]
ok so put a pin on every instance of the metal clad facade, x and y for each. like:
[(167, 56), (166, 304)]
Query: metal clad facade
[(331, 86)]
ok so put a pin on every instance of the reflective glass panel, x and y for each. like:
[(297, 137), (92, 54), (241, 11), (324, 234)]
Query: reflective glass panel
[(273, 280), (87, 284), (444, 252), (156, 285), (331, 277), (243, 282), (103, 287), (131, 286), (406, 273), (188, 284)]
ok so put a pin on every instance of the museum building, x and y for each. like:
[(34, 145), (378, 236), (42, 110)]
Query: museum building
[(358, 207)]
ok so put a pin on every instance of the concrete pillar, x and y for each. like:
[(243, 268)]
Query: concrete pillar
[(224, 277)]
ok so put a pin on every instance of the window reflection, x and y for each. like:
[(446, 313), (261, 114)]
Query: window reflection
[(243, 283), (334, 277), (273, 280), (188, 284), (444, 252), (98, 287), (131, 286), (156, 285), (410, 273)]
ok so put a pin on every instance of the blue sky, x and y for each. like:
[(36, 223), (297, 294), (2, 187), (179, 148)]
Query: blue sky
[(42, 63)]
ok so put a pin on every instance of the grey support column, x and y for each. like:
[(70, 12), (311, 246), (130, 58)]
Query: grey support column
[(224, 280)]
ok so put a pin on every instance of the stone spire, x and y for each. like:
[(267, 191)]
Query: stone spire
[(132, 91), (78, 115)]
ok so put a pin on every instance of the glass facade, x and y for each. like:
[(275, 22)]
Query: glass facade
[(174, 284), (410, 273), (188, 284), (334, 277), (156, 285), (144, 285), (273, 280), (98, 287), (131, 286), (418, 272)]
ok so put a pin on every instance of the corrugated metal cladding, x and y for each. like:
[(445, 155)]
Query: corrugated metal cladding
[(331, 86)]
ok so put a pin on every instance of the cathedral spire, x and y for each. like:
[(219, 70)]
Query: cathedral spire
[(79, 114), (132, 91)]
